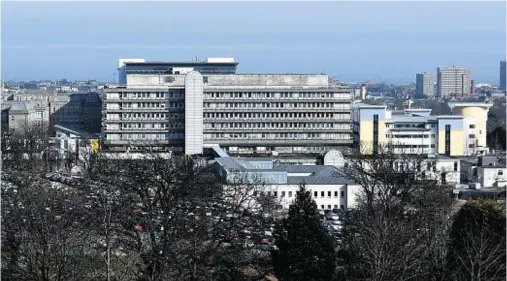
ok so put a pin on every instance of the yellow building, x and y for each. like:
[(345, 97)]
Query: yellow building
[(416, 131), (479, 112)]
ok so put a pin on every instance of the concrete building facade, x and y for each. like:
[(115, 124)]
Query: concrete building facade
[(453, 81), (425, 87), (503, 76), (243, 113)]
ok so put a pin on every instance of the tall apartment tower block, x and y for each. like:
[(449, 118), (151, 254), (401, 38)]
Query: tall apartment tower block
[(424, 85), (453, 81)]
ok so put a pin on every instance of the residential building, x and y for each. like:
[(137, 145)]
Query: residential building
[(182, 106), (453, 81), (81, 111), (424, 85), (18, 115), (329, 190), (415, 131), (484, 171), (503, 76)]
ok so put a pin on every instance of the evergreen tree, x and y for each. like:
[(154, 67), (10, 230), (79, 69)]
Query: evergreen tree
[(305, 251)]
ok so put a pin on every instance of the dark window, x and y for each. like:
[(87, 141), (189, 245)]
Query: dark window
[(322, 207), (329, 194), (283, 193), (472, 126), (315, 194), (455, 166), (274, 194), (472, 136), (336, 194), (322, 194), (448, 140), (169, 79), (329, 207), (500, 172), (205, 79), (375, 133), (290, 193), (342, 194)]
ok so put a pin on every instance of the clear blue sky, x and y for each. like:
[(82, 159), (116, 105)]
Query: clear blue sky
[(354, 41)]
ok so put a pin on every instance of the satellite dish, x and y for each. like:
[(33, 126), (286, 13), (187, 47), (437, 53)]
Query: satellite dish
[(334, 158)]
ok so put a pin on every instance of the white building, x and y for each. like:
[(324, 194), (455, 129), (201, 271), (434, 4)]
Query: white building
[(329, 190), (484, 171)]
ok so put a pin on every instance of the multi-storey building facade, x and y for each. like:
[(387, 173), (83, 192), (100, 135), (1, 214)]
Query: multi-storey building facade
[(503, 76), (244, 113), (453, 81), (81, 111), (425, 87), (415, 131)]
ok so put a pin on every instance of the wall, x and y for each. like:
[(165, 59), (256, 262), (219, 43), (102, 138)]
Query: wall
[(194, 136), (480, 114), (489, 177), (231, 80), (457, 136), (340, 200)]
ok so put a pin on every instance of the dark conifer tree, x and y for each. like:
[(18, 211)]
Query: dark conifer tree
[(305, 251)]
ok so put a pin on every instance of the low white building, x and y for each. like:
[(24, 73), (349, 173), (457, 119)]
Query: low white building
[(71, 145), (484, 171), (492, 176), (328, 189)]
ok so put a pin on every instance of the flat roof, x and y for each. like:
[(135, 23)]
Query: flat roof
[(188, 63)]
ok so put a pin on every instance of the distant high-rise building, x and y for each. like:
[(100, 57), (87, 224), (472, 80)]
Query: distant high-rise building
[(502, 75), (453, 81), (424, 85)]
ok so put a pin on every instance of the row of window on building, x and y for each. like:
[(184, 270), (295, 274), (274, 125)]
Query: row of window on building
[(144, 136), (276, 95), (312, 115), (145, 95), (330, 194), (344, 106), (140, 126), (260, 136), (136, 116), (276, 125)]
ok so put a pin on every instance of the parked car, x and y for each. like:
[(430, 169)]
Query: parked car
[(332, 217)]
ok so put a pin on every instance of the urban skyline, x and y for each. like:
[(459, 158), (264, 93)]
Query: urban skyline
[(331, 40)]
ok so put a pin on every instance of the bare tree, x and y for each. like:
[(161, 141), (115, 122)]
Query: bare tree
[(398, 227), (177, 220), (477, 244), (45, 229)]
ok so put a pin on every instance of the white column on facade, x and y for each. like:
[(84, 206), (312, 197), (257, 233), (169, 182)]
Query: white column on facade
[(194, 137)]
